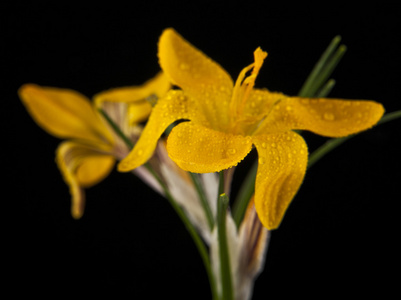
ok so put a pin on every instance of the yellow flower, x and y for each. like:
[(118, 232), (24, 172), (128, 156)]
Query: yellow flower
[(226, 119), (92, 148)]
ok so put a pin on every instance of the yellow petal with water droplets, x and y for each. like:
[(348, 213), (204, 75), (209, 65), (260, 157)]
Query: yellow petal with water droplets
[(282, 164), (64, 113), (197, 75), (81, 166), (327, 117), (199, 149), (173, 107)]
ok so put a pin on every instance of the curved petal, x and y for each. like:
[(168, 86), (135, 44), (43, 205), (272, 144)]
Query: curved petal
[(197, 75), (137, 96), (282, 164), (82, 167), (63, 113), (138, 112), (327, 117), (158, 86), (173, 107), (199, 149)]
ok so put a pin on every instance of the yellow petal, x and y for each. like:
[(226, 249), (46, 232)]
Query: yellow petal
[(281, 169), (197, 75), (138, 112), (173, 107), (199, 149), (82, 166), (136, 96), (327, 117), (64, 113)]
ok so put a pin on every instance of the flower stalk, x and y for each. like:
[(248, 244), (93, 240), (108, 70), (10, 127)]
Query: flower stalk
[(224, 255)]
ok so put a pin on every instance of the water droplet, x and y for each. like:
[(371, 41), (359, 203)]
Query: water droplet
[(261, 160), (274, 145), (184, 66), (328, 116), (264, 145), (231, 151), (288, 108)]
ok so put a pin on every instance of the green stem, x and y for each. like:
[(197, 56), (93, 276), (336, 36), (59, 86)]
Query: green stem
[(390, 117), (225, 268), (325, 148), (203, 200)]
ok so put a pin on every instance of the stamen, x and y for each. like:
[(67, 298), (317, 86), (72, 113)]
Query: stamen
[(244, 85)]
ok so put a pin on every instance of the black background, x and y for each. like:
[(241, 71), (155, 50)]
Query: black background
[(339, 234)]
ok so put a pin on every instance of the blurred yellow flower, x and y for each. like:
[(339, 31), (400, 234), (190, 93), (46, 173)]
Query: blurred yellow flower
[(226, 119), (92, 148)]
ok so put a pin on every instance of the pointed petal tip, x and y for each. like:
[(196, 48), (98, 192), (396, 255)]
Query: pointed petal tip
[(125, 166), (76, 214)]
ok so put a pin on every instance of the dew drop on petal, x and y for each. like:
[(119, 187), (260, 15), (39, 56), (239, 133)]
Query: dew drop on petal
[(184, 66), (231, 151), (328, 116), (261, 160)]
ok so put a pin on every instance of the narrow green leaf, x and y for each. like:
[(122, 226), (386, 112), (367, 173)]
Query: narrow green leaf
[(327, 70), (308, 87), (326, 89)]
